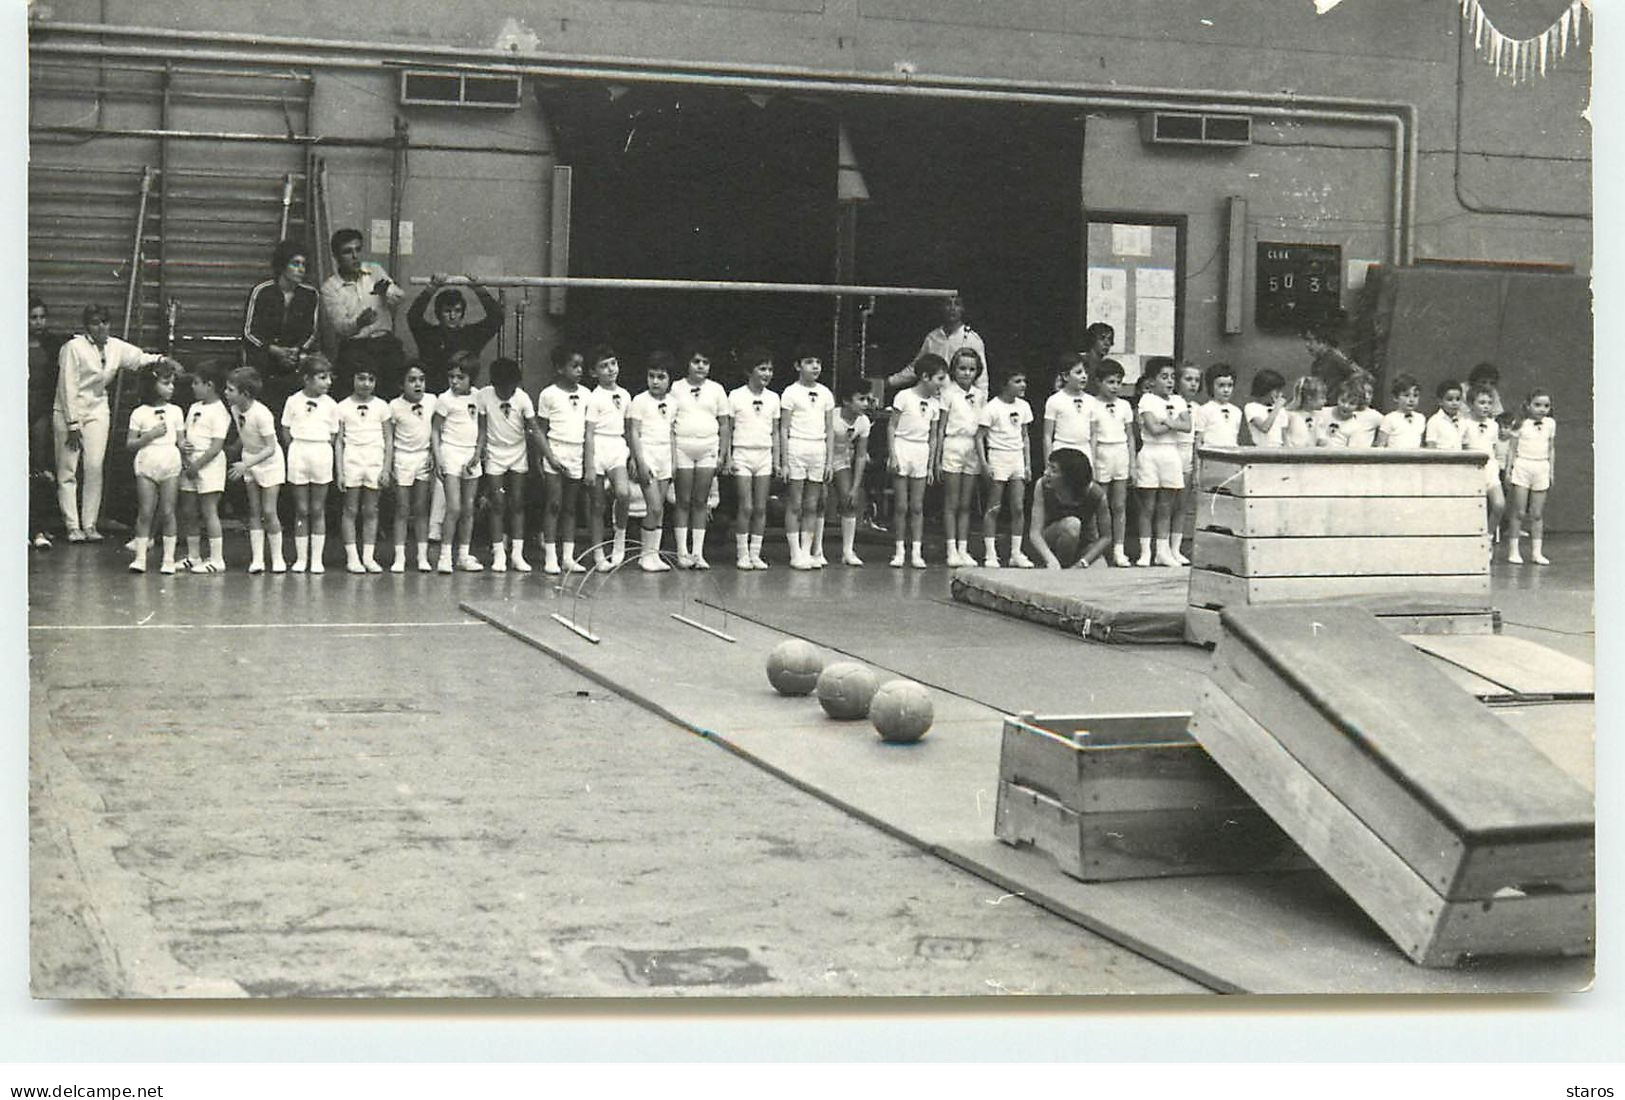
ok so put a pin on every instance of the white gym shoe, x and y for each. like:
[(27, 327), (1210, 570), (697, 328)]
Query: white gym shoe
[(398, 565), (698, 562), (819, 561), (520, 565), (572, 566), (499, 564), (897, 560), (852, 560), (652, 563), (743, 563), (917, 561), (445, 562), (356, 567), (756, 562), (468, 563), (1513, 556), (1120, 559), (1018, 560)]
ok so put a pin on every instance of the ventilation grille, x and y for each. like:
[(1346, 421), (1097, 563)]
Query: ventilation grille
[(1179, 128), (426, 88)]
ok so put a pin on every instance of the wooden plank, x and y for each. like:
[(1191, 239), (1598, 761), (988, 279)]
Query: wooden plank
[(1275, 517), (1476, 686), (1119, 729), (1466, 622), (1156, 778), (1315, 477), (1341, 556), (1423, 925), (1202, 626), (1212, 589), (1029, 818), (1135, 845), (1523, 667), (1043, 761), (1449, 786), (1564, 733)]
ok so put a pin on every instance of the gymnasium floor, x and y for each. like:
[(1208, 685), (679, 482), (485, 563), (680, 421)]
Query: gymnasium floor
[(346, 786)]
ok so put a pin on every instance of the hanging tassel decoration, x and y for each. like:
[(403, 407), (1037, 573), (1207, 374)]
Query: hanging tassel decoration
[(1521, 58)]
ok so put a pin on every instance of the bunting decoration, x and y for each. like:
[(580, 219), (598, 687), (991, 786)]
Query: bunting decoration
[(1523, 58)]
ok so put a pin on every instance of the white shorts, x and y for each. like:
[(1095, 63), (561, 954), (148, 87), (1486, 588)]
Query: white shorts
[(608, 453), (752, 461), (1159, 468), (807, 460), (959, 455), (1492, 472), (1004, 465), (310, 462), (567, 459), (412, 466), (912, 457), (1534, 474), (657, 460), (210, 479), (364, 467), (269, 473), (1187, 460), (693, 454), (1111, 462), (455, 458), (504, 460), (158, 462)]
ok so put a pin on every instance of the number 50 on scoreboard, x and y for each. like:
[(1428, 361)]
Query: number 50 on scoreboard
[(1297, 284)]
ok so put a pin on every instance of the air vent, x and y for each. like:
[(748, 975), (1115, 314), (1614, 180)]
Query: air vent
[(426, 88), (1180, 128)]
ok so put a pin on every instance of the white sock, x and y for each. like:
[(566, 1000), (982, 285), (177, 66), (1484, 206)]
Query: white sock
[(351, 555), (169, 549), (141, 548), (898, 548), (918, 549), (368, 551), (682, 541), (659, 534), (499, 550), (318, 543), (568, 552), (1175, 539), (697, 534), (1145, 547), (742, 544), (256, 546), (275, 542), (550, 555), (990, 547), (618, 550), (466, 550), (400, 551), (423, 550), (756, 545), (301, 550), (194, 547), (809, 540), (792, 538), (849, 534)]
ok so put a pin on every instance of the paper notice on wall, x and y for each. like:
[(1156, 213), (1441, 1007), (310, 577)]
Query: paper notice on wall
[(1131, 240), (1131, 371), (1106, 298), (1354, 276), (380, 237), (1153, 282), (1154, 326)]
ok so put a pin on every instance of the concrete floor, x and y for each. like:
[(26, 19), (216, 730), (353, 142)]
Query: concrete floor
[(342, 787)]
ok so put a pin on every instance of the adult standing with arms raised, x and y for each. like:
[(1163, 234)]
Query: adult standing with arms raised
[(279, 323), (43, 348), (944, 340), (81, 419), (437, 341), (358, 318)]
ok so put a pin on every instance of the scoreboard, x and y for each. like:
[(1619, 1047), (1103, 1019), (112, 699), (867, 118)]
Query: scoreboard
[(1297, 284)]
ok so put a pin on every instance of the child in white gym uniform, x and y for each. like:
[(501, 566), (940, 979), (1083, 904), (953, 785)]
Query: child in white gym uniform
[(411, 416), (203, 468), (1188, 385), (1443, 430), (1266, 413), (1162, 414), (1006, 458), (807, 441), (510, 424), (607, 450), (1481, 432), (1533, 459), (648, 434), (458, 433), (914, 439), (1350, 422), (1217, 420), (851, 426), (961, 464), (758, 455), (1113, 432), (703, 428), (362, 451), (261, 468), (561, 410), (310, 420), (1403, 427), (154, 436)]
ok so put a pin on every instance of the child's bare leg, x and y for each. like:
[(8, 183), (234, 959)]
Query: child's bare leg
[(1537, 526), (1495, 501), (1517, 503), (595, 519), (1117, 502), (1162, 520), (452, 487), (812, 509), (1016, 489), (369, 528), (552, 502), (146, 494), (846, 508), (301, 528), (470, 489), (990, 523), (793, 495), (347, 528), (952, 488), (570, 492), (403, 512), (745, 518), (496, 492), (699, 514), (1144, 521)]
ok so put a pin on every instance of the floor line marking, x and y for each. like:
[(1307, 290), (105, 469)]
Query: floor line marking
[(248, 626)]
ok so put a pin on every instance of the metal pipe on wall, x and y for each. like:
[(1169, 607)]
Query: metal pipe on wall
[(596, 283), (1398, 116)]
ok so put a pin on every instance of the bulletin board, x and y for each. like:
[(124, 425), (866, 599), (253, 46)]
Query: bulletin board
[(1134, 281)]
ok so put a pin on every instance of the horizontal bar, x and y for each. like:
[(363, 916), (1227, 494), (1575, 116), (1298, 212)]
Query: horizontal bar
[(570, 624), (697, 625), (592, 283)]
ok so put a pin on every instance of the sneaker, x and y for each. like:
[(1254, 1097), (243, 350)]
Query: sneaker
[(75, 535), (992, 562), (1539, 558), (573, 566), (499, 565), (684, 561), (317, 567), (551, 569), (445, 564), (139, 565), (616, 560), (744, 563), (398, 565), (896, 560), (256, 568), (653, 564), (519, 564), (372, 566), (699, 562), (1179, 559), (1120, 559), (425, 565), (819, 561), (756, 562), (1514, 557), (42, 541), (92, 535), (801, 563), (1164, 560), (200, 566), (279, 567), (1144, 560), (852, 560), (168, 568), (468, 563), (1019, 560), (356, 567), (917, 561)]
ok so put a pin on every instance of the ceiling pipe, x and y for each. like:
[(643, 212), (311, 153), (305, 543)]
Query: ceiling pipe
[(1400, 118)]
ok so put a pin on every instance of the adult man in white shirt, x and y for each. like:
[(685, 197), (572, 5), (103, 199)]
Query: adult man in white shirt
[(358, 318), (946, 339)]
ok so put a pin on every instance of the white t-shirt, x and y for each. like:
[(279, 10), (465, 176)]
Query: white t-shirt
[(653, 416), (1535, 439), (363, 421), (700, 408), (606, 412), (1006, 423), (315, 419), (1443, 431), (1171, 406), (412, 422), (1404, 429), (914, 415), (256, 427), (207, 421), (1110, 420), (1480, 435), (565, 412), (1359, 430), (460, 418), (1218, 423), (963, 409), (1074, 417), (505, 418), (1257, 410), (756, 416), (807, 408), (850, 436), (144, 418)]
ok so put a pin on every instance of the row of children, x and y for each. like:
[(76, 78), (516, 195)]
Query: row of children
[(665, 446)]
